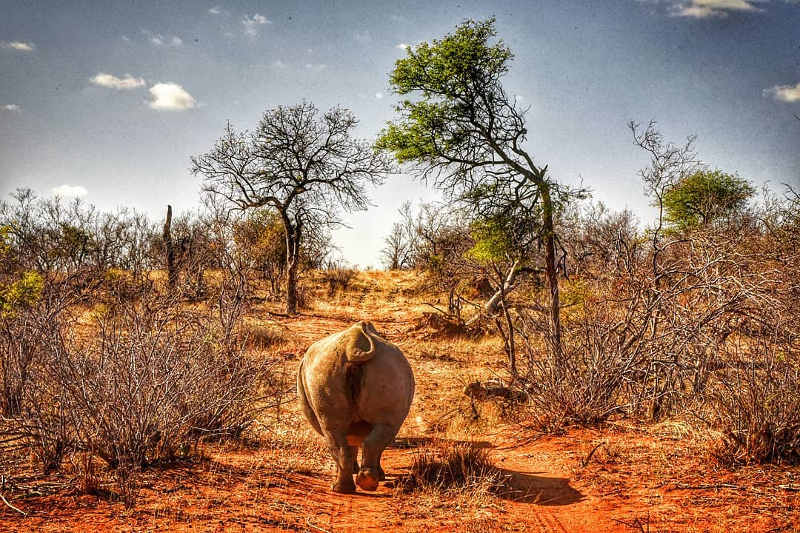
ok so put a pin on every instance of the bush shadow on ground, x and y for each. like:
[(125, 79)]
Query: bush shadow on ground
[(523, 487), (540, 490)]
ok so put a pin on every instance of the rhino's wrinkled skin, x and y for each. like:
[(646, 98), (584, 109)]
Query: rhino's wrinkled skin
[(355, 389)]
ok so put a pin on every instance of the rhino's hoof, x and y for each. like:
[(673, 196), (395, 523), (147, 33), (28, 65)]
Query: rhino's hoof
[(343, 487), (368, 479)]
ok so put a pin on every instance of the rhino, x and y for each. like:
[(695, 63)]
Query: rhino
[(355, 389)]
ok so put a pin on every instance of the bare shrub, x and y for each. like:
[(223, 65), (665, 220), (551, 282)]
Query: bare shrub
[(155, 380), (454, 467), (150, 380), (755, 404), (33, 413), (54, 235), (587, 383), (20, 351)]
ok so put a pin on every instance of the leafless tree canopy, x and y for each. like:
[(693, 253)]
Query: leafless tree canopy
[(304, 164)]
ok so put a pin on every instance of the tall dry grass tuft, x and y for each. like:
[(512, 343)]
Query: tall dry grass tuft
[(262, 336), (449, 467)]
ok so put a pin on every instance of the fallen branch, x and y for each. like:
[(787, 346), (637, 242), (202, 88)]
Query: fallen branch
[(20, 511), (591, 453), (442, 311), (494, 302), (706, 487)]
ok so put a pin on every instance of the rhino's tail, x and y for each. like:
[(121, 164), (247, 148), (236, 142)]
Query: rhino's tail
[(360, 342), (301, 393)]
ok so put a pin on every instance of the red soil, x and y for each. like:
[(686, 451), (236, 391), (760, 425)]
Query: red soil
[(236, 489)]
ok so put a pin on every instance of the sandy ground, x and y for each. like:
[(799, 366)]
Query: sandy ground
[(639, 478)]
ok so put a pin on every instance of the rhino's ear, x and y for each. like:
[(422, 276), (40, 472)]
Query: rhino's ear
[(369, 327), (359, 346)]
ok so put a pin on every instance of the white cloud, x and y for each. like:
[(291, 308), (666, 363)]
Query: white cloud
[(711, 8), (403, 46), (126, 38), (216, 10), (784, 93), (251, 24), (316, 67), (278, 64), (70, 191), (697, 12), (14, 108), (156, 39), (379, 95), (170, 97), (18, 45), (112, 82)]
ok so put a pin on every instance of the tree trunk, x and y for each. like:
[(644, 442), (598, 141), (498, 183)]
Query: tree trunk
[(512, 348), (172, 274), (551, 270), (292, 232), (291, 288)]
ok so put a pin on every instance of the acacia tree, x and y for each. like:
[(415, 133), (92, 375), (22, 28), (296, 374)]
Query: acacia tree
[(704, 197), (467, 135), (305, 165)]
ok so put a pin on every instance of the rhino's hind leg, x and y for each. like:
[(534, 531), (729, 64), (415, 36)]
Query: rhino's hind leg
[(371, 473), (381, 473), (355, 458), (344, 457)]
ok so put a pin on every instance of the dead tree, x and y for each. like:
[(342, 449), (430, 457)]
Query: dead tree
[(304, 164)]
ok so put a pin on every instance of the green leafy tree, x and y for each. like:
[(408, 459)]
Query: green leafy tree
[(24, 291), (466, 134), (704, 197), (16, 290)]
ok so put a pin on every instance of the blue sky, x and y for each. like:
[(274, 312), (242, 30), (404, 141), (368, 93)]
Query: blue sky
[(110, 99)]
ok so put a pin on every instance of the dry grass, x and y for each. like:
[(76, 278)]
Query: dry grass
[(291, 446), (263, 336), (460, 467), (448, 477)]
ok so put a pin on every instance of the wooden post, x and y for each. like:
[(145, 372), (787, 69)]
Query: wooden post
[(172, 274)]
